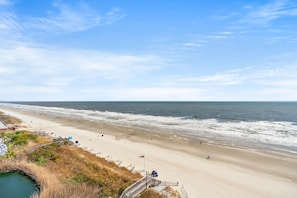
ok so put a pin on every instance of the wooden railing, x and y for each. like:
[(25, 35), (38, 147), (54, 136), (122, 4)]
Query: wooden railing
[(144, 183), (137, 187)]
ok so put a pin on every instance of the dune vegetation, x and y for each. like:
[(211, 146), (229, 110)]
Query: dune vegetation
[(61, 169)]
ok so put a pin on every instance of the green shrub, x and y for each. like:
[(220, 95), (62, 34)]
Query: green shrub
[(9, 154), (20, 138), (80, 178), (41, 161), (43, 154)]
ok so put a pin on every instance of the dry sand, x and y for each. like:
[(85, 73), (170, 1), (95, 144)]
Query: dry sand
[(230, 172)]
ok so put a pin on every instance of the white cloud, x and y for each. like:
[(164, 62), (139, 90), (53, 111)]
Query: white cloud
[(66, 69), (221, 35), (192, 44), (34, 92), (63, 19), (42, 90), (273, 84), (248, 7), (45, 72), (5, 2), (278, 94), (221, 17), (158, 93), (50, 61), (5, 70), (218, 79), (278, 78), (272, 11), (9, 27), (280, 39), (222, 79), (55, 73), (279, 83), (68, 18), (217, 37), (202, 40), (226, 33), (112, 16)]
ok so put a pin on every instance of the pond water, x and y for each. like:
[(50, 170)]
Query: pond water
[(16, 185)]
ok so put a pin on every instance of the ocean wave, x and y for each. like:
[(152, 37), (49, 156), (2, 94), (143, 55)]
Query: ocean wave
[(270, 134)]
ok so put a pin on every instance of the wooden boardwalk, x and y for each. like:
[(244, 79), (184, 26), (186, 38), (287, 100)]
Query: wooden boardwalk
[(142, 184), (3, 126), (137, 187)]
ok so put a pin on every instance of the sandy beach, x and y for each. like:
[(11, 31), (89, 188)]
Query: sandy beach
[(229, 172)]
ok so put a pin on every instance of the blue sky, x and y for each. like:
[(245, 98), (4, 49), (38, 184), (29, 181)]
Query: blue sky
[(148, 50)]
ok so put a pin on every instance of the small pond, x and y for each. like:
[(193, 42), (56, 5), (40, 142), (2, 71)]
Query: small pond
[(16, 185)]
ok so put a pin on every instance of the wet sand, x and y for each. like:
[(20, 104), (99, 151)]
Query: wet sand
[(229, 171)]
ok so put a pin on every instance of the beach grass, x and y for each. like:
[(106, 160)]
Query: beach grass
[(9, 119), (75, 166), (63, 170), (49, 184)]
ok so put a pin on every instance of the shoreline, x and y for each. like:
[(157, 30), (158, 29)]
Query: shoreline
[(230, 171)]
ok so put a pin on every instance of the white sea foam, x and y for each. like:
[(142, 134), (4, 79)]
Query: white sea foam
[(268, 134)]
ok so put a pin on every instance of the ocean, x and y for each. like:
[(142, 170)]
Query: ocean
[(257, 125)]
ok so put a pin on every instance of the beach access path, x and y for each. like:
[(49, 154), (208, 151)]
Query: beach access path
[(2, 126), (230, 172)]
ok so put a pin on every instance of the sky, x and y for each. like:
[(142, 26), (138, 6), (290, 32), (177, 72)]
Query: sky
[(148, 50)]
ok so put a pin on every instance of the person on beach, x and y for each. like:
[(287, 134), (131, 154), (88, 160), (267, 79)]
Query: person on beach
[(154, 173)]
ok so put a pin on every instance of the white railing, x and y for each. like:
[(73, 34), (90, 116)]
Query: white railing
[(184, 192)]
